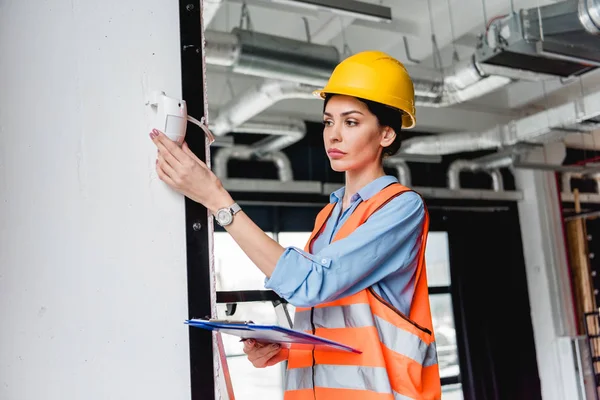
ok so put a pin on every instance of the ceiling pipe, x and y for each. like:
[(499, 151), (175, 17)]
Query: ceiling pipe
[(567, 176), (465, 81), (272, 57), (311, 64), (589, 15), (256, 100), (282, 134), (402, 169), (222, 157), (542, 127), (450, 143), (458, 166), (296, 68)]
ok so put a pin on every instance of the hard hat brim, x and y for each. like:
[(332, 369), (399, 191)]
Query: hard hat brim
[(408, 120)]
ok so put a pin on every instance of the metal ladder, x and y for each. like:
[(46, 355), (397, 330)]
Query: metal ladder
[(231, 300)]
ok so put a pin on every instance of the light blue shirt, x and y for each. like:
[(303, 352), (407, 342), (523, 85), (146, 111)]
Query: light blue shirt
[(381, 253)]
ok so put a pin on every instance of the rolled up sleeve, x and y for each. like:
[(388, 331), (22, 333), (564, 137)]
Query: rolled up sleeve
[(385, 243)]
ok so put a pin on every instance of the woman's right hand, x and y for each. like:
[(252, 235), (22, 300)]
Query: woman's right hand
[(263, 355)]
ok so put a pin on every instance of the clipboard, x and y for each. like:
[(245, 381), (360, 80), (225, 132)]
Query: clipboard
[(287, 338)]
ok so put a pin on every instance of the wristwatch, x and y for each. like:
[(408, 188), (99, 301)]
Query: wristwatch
[(224, 216)]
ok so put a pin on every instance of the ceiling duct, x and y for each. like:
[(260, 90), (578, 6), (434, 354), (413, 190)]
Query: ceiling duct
[(273, 57), (511, 49), (283, 133), (542, 127), (281, 161), (459, 166), (567, 176), (295, 69), (557, 39), (282, 59), (463, 82), (254, 101), (402, 169)]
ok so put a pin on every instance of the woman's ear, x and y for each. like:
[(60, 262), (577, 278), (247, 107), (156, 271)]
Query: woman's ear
[(389, 135)]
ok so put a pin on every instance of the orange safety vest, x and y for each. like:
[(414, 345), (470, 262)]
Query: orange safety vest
[(398, 359)]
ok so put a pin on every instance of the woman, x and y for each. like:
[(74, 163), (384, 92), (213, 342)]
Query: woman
[(361, 278)]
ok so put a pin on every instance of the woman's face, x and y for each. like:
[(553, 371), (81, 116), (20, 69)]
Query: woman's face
[(352, 135)]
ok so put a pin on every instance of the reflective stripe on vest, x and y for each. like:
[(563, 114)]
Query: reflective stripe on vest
[(398, 360), (360, 316), (352, 377)]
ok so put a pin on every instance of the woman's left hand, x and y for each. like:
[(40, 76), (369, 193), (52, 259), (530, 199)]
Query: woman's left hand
[(179, 168)]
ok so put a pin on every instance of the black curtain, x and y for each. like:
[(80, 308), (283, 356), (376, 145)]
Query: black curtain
[(491, 304)]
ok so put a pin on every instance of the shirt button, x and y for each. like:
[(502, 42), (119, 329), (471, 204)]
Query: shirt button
[(324, 261)]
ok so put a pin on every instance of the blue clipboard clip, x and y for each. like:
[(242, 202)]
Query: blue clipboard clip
[(287, 338)]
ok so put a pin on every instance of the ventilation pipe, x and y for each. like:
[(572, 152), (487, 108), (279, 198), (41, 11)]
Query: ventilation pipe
[(281, 161), (272, 57), (402, 169), (459, 166), (311, 64), (545, 126), (567, 176), (282, 134), (256, 100), (295, 69), (589, 15)]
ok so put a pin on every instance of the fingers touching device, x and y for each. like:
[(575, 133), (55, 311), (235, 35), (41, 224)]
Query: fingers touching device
[(171, 117)]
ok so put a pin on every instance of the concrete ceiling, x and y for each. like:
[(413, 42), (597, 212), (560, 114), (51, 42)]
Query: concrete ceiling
[(456, 24)]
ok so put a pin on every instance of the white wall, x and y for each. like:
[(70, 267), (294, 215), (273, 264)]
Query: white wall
[(92, 245)]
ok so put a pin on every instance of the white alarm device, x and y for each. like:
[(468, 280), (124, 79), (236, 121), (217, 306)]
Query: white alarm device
[(171, 117)]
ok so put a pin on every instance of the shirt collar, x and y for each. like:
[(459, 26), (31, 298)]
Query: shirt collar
[(367, 191)]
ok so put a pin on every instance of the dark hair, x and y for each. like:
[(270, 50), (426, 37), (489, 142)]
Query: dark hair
[(386, 116)]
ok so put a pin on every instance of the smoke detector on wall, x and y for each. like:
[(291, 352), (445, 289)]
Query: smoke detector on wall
[(171, 117)]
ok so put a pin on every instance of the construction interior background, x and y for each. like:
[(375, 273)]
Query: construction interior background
[(100, 263)]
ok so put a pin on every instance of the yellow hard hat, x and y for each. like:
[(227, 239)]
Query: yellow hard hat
[(375, 76)]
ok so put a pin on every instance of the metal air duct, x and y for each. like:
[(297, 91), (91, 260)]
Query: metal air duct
[(459, 166), (567, 176), (556, 39), (256, 100), (282, 135), (281, 59), (281, 161), (589, 15), (465, 82), (402, 169), (542, 127), (272, 57), (284, 132)]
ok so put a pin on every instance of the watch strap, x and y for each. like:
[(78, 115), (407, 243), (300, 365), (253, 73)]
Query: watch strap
[(235, 208)]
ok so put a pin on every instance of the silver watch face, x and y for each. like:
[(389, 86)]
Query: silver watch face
[(224, 216)]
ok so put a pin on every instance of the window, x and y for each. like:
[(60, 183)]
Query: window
[(232, 262), (438, 277), (235, 271)]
